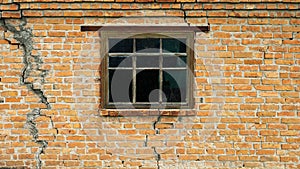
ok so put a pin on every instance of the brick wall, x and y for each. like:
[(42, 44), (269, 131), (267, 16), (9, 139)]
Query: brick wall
[(247, 77)]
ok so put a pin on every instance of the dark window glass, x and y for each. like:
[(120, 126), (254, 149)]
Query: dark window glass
[(120, 61), (148, 45), (173, 45), (174, 85), (147, 61), (146, 83), (120, 89), (174, 61), (120, 45), (167, 70)]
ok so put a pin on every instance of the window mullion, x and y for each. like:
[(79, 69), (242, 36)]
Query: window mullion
[(160, 72), (134, 72)]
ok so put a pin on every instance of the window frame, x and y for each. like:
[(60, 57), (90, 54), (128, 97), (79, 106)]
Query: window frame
[(105, 35)]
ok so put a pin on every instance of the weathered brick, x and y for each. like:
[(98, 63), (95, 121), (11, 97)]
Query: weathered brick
[(32, 13), (9, 7), (11, 14), (246, 91)]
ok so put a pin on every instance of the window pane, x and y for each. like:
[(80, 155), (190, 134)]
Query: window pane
[(120, 61), (147, 61), (173, 45), (174, 85), (146, 83), (120, 87), (174, 61), (120, 45), (147, 45)]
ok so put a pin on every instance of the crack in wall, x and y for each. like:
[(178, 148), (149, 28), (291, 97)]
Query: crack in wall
[(146, 141), (31, 71), (157, 155), (155, 122), (184, 14), (34, 132), (294, 34)]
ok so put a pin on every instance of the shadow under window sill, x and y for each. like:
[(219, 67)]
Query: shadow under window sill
[(147, 112)]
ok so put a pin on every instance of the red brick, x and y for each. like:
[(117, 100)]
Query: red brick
[(253, 61), (10, 7), (289, 159), (52, 13), (32, 13), (291, 120), (11, 14), (219, 13), (265, 152)]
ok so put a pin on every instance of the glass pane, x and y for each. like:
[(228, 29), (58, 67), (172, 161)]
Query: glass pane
[(120, 87), (174, 45), (174, 85), (147, 61), (120, 45), (174, 61), (120, 61), (146, 83), (148, 45)]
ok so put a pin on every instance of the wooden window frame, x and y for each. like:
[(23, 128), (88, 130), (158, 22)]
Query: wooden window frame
[(105, 35)]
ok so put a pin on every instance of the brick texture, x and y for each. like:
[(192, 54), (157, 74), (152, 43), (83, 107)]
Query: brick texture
[(247, 76)]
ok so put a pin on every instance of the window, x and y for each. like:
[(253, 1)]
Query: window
[(147, 70)]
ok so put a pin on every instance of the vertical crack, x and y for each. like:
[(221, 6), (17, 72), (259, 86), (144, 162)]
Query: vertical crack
[(294, 35), (35, 134), (264, 52), (184, 14), (41, 95), (157, 157), (30, 71), (146, 141), (155, 122)]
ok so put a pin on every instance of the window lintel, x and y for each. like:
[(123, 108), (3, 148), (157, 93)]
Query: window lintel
[(148, 28)]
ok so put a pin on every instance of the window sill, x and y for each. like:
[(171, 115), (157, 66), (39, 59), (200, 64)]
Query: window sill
[(147, 112)]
